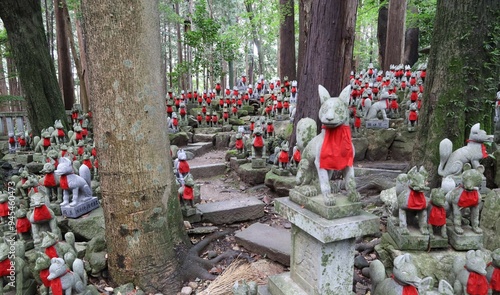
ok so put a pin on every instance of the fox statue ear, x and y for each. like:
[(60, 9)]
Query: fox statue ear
[(324, 95), (345, 94)]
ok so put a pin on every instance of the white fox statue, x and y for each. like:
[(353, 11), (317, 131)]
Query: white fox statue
[(79, 185)]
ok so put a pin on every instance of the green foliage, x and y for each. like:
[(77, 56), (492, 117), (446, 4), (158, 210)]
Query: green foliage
[(366, 44), (423, 18)]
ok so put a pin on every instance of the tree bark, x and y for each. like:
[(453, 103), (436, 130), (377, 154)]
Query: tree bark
[(23, 22), (304, 24), (382, 33), (143, 221), (395, 33), (3, 82), (410, 55), (328, 44), (12, 74), (287, 59), (256, 39), (459, 89), (84, 80), (63, 57)]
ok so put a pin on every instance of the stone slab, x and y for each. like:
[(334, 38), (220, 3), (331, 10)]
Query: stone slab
[(324, 230), (469, 240), (208, 170), (202, 230), (272, 242), (194, 218), (80, 209), (342, 208), (281, 172), (24, 158), (415, 240), (377, 124), (37, 157), (226, 212), (201, 137)]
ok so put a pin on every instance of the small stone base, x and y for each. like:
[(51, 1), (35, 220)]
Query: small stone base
[(469, 240), (83, 208), (194, 218), (40, 158), (415, 240), (342, 208), (281, 172), (188, 211), (24, 158), (283, 284), (377, 124), (258, 163)]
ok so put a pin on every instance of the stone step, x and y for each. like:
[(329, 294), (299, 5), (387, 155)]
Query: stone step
[(199, 148), (274, 243), (210, 170), (227, 212)]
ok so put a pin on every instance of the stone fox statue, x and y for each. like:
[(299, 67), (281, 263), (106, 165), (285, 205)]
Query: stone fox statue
[(331, 150), (79, 185), (451, 163)]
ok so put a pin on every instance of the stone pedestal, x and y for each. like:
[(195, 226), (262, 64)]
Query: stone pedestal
[(258, 163), (82, 208), (40, 158), (322, 258), (414, 240), (469, 240)]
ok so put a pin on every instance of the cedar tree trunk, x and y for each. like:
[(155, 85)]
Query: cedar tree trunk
[(462, 75), (23, 22), (141, 209)]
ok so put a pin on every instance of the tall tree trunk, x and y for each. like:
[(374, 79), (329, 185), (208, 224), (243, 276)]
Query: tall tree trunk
[(287, 59), (459, 91), (410, 55), (141, 208), (63, 57), (182, 79), (12, 74), (82, 73), (304, 24), (76, 59), (3, 82), (382, 33), (325, 54), (395, 33), (24, 25), (256, 39), (49, 25)]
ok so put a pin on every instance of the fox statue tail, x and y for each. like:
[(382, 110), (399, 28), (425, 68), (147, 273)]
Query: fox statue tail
[(445, 149), (306, 130)]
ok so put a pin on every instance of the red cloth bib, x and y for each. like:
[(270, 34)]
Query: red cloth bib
[(23, 225), (183, 167), (477, 284), (337, 151), (4, 267), (409, 290), (12, 140), (60, 133), (283, 158), (188, 193), (44, 273), (63, 182), (4, 209), (41, 213), (87, 163), (46, 142), (468, 198), (413, 116), (437, 216), (416, 200), (78, 135), (80, 150), (258, 142), (239, 144), (495, 279), (357, 122), (296, 156), (270, 128), (51, 252), (56, 286), (22, 142)]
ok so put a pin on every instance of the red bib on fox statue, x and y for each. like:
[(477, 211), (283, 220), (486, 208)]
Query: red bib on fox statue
[(477, 284), (337, 152)]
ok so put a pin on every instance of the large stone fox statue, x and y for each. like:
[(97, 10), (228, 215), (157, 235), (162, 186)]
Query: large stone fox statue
[(330, 150), (451, 163)]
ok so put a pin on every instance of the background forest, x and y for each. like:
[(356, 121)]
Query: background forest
[(210, 41)]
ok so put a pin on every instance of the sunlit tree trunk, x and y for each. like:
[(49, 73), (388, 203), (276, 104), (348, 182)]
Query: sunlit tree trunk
[(3, 83), (395, 33), (141, 209), (287, 61)]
